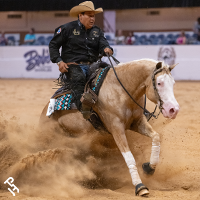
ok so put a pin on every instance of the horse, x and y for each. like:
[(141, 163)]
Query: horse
[(119, 113)]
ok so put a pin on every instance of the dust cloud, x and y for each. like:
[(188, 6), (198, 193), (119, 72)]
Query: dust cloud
[(45, 163)]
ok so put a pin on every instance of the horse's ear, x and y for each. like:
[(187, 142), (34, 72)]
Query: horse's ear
[(158, 65), (172, 66)]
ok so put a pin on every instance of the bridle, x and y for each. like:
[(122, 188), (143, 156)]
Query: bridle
[(156, 71), (148, 114)]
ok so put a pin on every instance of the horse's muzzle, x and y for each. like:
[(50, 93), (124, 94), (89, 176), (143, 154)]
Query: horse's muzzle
[(170, 111)]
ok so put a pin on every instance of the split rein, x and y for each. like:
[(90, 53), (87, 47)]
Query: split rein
[(148, 114)]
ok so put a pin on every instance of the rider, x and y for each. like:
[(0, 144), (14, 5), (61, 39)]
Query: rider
[(81, 42)]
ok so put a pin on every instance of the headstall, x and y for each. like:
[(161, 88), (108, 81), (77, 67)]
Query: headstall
[(156, 71)]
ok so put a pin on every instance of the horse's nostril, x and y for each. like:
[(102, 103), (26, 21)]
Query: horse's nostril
[(171, 110)]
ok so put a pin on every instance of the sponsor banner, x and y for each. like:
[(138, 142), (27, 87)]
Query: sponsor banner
[(34, 61), (27, 62), (188, 57)]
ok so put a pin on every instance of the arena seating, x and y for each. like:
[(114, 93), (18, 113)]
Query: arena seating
[(43, 40), (11, 40), (162, 39), (140, 39), (159, 38)]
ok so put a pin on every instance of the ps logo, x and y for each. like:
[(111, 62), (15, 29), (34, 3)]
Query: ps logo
[(11, 185)]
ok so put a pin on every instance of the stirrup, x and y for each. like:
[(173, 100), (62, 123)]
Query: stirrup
[(87, 103), (86, 112), (87, 99)]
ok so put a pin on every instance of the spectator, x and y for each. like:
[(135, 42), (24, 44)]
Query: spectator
[(197, 28), (3, 40), (120, 39), (181, 39), (30, 37), (130, 38)]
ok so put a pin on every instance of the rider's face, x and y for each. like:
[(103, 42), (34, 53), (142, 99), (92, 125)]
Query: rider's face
[(87, 19)]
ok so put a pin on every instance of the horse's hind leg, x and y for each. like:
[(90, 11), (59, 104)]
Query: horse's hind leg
[(49, 124), (145, 128)]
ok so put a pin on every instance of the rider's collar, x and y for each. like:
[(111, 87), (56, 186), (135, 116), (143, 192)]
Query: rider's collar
[(81, 25)]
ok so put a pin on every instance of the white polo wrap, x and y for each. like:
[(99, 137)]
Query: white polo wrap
[(155, 152), (130, 161)]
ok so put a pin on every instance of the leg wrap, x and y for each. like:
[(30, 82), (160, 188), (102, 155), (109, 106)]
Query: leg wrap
[(130, 161), (155, 152)]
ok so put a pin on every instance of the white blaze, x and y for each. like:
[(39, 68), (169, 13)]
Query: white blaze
[(164, 85)]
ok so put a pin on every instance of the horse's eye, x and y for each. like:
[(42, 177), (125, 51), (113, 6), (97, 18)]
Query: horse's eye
[(158, 83)]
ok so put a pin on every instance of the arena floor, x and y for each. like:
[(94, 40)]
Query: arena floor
[(47, 176)]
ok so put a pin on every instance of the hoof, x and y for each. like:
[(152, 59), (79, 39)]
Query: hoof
[(141, 190), (147, 169)]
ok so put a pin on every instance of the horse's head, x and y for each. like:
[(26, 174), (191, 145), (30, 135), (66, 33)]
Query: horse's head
[(161, 90)]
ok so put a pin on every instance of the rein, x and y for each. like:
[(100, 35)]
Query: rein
[(146, 112)]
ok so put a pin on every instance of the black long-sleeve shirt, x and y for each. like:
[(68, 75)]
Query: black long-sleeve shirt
[(78, 44)]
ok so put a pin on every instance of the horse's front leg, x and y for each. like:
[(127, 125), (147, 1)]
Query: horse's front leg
[(118, 132), (145, 128)]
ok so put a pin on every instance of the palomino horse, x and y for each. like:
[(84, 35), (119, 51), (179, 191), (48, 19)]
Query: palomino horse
[(119, 113)]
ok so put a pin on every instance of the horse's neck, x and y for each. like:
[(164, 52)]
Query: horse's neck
[(135, 76)]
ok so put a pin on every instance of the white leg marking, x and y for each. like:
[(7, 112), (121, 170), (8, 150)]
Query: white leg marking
[(130, 161)]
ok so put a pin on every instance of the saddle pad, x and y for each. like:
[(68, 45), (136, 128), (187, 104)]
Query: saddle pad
[(99, 80), (63, 102)]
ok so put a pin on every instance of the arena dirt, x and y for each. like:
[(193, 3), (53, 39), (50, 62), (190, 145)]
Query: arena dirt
[(51, 166)]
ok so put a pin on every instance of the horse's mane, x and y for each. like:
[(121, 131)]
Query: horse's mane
[(164, 65)]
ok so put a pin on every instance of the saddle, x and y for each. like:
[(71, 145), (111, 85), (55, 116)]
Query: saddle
[(92, 87), (65, 97)]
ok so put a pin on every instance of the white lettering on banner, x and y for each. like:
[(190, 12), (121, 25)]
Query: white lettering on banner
[(11, 185), (34, 62), (37, 61)]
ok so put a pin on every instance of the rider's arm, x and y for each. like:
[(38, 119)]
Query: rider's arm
[(103, 43), (59, 38)]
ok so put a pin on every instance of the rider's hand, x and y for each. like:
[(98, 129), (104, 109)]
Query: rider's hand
[(109, 51), (63, 67)]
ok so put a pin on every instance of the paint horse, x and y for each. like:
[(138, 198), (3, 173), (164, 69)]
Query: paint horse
[(119, 113)]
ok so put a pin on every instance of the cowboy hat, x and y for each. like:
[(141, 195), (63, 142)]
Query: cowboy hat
[(84, 7)]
